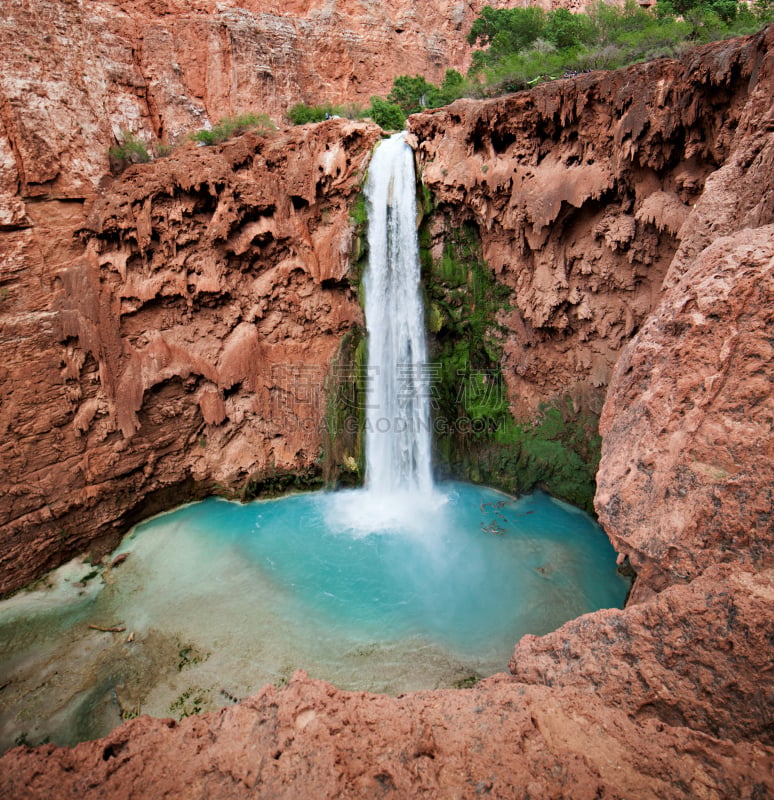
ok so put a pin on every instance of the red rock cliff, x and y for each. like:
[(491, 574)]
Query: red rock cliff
[(658, 182), (605, 198), (76, 74), (185, 345), (579, 190)]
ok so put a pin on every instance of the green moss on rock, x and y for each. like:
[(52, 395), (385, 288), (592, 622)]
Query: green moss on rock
[(345, 391), (475, 436)]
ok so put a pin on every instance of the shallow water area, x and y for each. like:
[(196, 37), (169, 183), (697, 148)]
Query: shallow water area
[(386, 593)]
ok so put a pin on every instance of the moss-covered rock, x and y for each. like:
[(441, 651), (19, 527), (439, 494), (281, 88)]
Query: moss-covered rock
[(278, 482), (476, 437), (345, 391)]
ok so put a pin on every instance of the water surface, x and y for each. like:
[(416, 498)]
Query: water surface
[(216, 599)]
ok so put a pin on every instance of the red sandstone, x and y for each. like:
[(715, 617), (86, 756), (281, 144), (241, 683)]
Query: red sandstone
[(127, 345)]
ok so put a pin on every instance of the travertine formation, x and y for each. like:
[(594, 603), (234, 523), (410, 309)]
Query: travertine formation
[(579, 190), (184, 346), (142, 344)]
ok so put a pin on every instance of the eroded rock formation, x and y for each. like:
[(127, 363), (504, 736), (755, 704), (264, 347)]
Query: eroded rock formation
[(695, 389), (76, 74), (659, 173), (579, 190), (185, 345)]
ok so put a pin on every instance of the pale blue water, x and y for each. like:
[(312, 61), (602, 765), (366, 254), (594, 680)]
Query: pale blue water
[(383, 593), (479, 572)]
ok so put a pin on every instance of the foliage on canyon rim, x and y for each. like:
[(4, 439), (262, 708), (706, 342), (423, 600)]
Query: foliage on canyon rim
[(386, 115), (233, 126), (301, 113), (519, 47), (522, 46), (133, 150)]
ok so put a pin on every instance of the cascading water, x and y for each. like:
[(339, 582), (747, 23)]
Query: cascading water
[(459, 574), (397, 416)]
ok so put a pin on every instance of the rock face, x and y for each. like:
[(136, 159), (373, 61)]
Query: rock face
[(185, 345), (501, 739), (76, 74), (695, 389), (695, 657), (597, 190), (579, 190)]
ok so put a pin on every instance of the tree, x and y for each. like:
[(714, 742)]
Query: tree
[(453, 87), (387, 115), (507, 30), (411, 94), (565, 29), (725, 9)]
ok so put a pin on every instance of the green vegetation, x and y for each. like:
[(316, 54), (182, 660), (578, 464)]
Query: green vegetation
[(358, 213), (415, 94), (275, 483), (133, 150), (301, 113), (387, 115), (519, 47), (476, 437), (189, 654), (527, 45), (163, 149), (559, 451), (233, 126), (130, 150), (467, 683), (190, 702), (345, 392), (463, 298)]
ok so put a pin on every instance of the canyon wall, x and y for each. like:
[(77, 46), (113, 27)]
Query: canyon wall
[(180, 344), (632, 215), (578, 190), (580, 194), (76, 74)]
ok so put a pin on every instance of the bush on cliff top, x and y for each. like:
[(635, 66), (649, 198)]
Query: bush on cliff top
[(233, 126), (301, 113), (387, 115), (519, 47), (522, 46)]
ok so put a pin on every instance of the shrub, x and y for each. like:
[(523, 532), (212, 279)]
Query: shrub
[(507, 30), (130, 150), (234, 126), (301, 113), (608, 36), (387, 115), (411, 94)]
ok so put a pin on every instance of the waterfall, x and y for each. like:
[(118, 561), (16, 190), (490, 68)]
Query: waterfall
[(398, 413)]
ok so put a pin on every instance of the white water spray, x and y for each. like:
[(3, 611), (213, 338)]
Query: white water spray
[(398, 414)]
